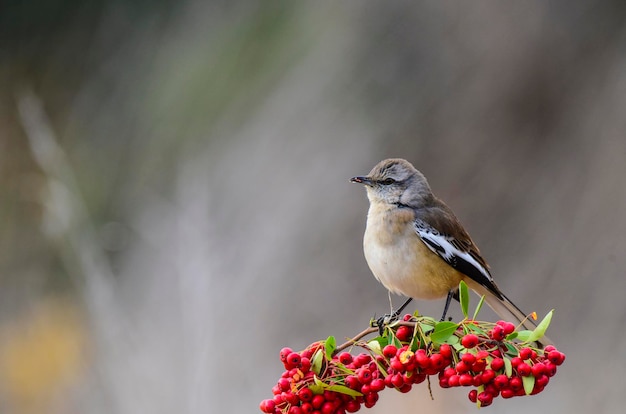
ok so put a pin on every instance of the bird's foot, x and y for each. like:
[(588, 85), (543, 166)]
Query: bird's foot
[(384, 321)]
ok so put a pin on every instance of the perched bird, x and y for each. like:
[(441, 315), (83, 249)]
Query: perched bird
[(416, 247)]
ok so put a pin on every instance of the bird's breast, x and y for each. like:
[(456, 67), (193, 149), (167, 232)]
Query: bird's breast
[(400, 260)]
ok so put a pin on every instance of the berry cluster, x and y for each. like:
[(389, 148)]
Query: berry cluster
[(495, 372), (324, 379)]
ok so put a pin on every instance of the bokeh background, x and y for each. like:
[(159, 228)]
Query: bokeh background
[(175, 204)]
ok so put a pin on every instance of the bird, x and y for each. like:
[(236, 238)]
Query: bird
[(416, 246)]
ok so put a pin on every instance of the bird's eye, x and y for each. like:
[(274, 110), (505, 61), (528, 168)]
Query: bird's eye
[(388, 181)]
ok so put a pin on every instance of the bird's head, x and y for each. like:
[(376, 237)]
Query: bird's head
[(395, 181)]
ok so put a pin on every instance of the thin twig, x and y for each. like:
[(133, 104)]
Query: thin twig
[(356, 338), (368, 331)]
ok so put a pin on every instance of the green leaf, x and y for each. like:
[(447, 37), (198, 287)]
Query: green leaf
[(426, 327), (330, 345), (443, 331), (318, 386), (540, 330), (522, 335), (374, 346), (475, 328), (316, 362), (344, 390), (508, 368), (479, 306), (511, 349), (464, 298), (382, 341), (529, 384), (512, 336), (454, 340), (394, 340)]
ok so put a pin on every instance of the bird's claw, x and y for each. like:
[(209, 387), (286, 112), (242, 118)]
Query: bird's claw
[(384, 321)]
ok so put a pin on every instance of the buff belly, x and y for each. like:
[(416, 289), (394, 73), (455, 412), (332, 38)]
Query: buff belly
[(404, 265)]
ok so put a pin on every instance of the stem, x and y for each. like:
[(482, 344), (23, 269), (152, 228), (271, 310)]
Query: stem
[(368, 331), (352, 341)]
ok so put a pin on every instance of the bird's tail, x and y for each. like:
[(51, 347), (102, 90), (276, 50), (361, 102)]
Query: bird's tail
[(506, 309)]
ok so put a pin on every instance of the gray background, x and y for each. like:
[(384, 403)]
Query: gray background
[(175, 176)]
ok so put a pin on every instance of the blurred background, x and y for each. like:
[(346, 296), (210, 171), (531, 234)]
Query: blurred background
[(175, 204)]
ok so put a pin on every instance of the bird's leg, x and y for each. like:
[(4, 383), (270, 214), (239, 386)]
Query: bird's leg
[(445, 308), (392, 316), (401, 308)]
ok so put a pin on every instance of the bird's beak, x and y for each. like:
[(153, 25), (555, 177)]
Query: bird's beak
[(361, 180)]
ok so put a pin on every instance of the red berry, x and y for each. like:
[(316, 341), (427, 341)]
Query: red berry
[(497, 364), (550, 368), (525, 353), (437, 361), (352, 406), (454, 380), (482, 354), (397, 380), (542, 380), (267, 406), (330, 395), (345, 358), (469, 341), (306, 408), (497, 333), (397, 365), (507, 326), (466, 380), (371, 398), (485, 399), (318, 401), (472, 395), (293, 359), (507, 393), (479, 365), (295, 410), (305, 365), (407, 317), (549, 348), (404, 333), (405, 388), (305, 394), (524, 369), (461, 367), (487, 376), (284, 384), (364, 375), (515, 361), (362, 359), (446, 351), (501, 381), (538, 369), (328, 408), (468, 358), (556, 357), (377, 385), (352, 382), (422, 359), (390, 351), (284, 353), (290, 397), (515, 383)]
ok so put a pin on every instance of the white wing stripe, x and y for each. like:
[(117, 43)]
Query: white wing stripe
[(449, 250)]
